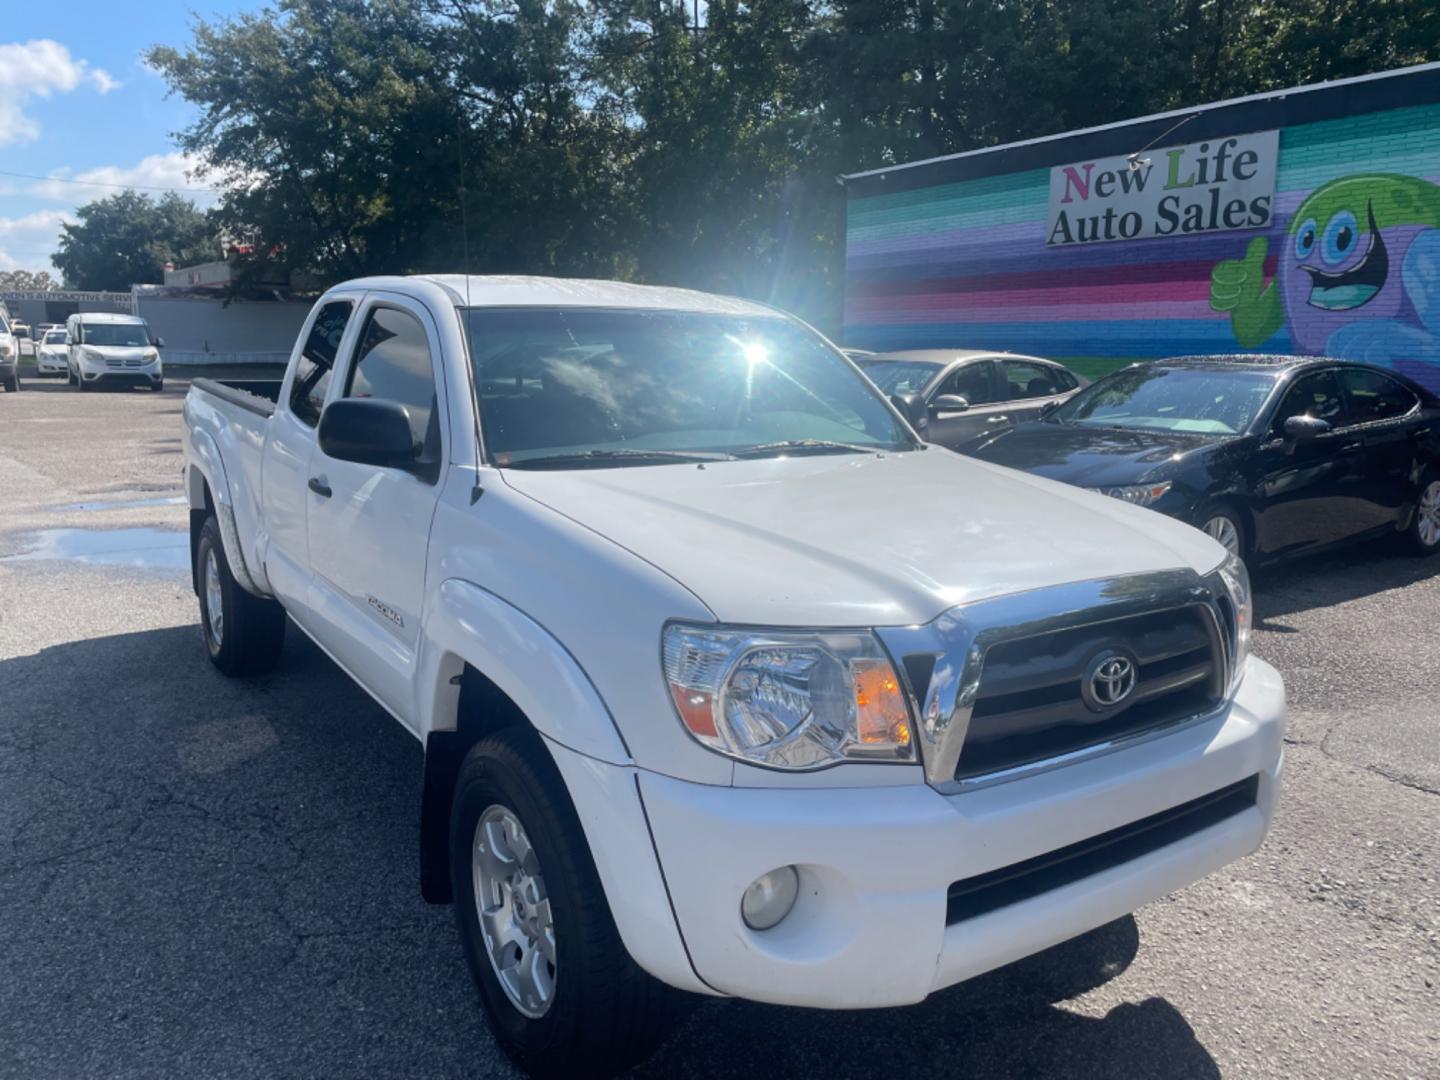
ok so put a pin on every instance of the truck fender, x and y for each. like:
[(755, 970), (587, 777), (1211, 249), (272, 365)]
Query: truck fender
[(206, 461), (468, 624)]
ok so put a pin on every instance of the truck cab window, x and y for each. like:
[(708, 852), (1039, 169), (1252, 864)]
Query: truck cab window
[(317, 360), (392, 362)]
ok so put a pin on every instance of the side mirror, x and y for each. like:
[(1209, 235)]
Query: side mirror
[(369, 432), (949, 403), (159, 343), (912, 407), (1048, 408), (1301, 428)]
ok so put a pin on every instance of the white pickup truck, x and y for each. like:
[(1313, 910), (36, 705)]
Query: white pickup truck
[(726, 681)]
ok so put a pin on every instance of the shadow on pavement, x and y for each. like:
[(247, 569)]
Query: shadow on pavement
[(1350, 573), (204, 876)]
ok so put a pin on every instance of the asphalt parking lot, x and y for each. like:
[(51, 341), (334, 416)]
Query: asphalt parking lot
[(201, 877)]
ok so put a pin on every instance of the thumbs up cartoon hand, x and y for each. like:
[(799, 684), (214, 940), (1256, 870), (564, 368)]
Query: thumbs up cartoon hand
[(1237, 283), (1237, 286)]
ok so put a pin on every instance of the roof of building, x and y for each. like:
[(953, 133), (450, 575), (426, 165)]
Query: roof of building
[(516, 290)]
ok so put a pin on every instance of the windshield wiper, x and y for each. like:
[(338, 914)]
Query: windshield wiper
[(602, 457), (806, 446)]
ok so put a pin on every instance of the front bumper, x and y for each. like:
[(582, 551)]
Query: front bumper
[(876, 864), (50, 364)]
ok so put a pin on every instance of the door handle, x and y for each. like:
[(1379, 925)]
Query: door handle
[(320, 487), (997, 420)]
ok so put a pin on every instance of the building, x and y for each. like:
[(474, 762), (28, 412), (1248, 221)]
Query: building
[(198, 325), (1304, 221)]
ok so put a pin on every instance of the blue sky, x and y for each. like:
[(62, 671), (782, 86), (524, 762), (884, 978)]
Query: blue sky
[(77, 103)]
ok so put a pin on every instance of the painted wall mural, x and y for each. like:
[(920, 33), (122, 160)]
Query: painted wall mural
[(1348, 265)]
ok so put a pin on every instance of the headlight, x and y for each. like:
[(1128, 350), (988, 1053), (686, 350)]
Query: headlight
[(1236, 580), (787, 699), (93, 354), (151, 355), (1138, 494)]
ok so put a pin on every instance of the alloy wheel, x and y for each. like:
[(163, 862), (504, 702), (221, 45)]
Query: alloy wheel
[(214, 601), (1224, 530), (1428, 523), (516, 921)]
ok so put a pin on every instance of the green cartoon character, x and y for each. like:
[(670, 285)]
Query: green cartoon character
[(1358, 277)]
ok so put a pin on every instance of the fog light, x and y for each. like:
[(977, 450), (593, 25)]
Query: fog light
[(770, 898)]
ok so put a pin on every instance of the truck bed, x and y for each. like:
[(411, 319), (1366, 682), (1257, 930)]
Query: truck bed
[(256, 395)]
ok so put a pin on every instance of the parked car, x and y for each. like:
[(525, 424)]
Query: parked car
[(9, 357), (113, 350), (52, 355), (39, 330), (969, 391), (1272, 456), (710, 695)]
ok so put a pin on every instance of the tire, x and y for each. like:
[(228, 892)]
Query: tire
[(1221, 522), (12, 383), (81, 385), (250, 632), (69, 377), (603, 1014), (158, 386), (1423, 535)]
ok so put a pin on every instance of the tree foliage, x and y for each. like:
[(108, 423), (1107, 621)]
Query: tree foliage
[(26, 281), (624, 138), (128, 238)]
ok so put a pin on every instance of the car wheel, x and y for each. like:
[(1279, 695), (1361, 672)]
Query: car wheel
[(1424, 531), (1223, 526), (243, 633), (158, 385), (69, 377), (12, 383), (561, 992)]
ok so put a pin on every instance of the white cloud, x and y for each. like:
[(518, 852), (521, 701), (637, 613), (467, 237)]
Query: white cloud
[(38, 69), (26, 242), (173, 170)]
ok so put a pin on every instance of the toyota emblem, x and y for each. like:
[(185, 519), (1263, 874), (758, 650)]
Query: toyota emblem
[(1109, 680)]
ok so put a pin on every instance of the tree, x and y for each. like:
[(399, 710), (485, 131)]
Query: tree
[(671, 142), (127, 239), (26, 281)]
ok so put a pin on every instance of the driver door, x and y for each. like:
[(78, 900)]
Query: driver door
[(1310, 492), (368, 525)]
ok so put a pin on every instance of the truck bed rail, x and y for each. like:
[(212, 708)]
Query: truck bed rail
[(254, 395)]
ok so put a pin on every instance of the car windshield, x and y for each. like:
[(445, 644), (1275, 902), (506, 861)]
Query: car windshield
[(606, 387), (1209, 401), (55, 337), (117, 334), (900, 376)]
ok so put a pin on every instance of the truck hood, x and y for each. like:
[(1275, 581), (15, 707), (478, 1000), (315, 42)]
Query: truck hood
[(862, 540)]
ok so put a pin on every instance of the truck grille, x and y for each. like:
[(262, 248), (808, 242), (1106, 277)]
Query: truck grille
[(115, 364), (1032, 703)]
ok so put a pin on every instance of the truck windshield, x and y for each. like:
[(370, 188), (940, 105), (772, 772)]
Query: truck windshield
[(131, 335), (591, 388)]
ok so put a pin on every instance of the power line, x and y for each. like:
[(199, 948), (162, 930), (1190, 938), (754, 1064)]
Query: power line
[(107, 184)]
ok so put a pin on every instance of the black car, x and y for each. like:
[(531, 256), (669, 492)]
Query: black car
[(1270, 455), (969, 391)]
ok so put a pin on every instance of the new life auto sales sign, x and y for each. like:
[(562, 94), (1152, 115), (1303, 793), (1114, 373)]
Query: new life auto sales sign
[(1204, 187)]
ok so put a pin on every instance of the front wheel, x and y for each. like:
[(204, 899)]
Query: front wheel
[(12, 383), (158, 385), (561, 992), (243, 633), (1224, 526), (1424, 531)]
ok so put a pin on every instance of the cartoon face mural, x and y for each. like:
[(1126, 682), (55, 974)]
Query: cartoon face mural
[(1358, 276)]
